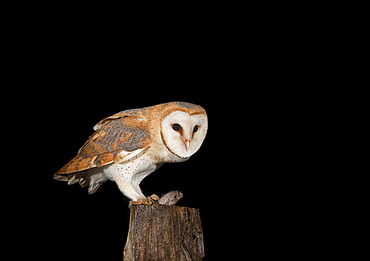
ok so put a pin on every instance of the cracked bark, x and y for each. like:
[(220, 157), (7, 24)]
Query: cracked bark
[(163, 232)]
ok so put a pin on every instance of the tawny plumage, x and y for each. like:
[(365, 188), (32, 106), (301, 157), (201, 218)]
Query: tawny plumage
[(129, 145)]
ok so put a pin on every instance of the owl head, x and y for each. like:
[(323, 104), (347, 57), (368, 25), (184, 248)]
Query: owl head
[(184, 128)]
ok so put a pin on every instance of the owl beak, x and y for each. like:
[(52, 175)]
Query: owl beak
[(186, 143)]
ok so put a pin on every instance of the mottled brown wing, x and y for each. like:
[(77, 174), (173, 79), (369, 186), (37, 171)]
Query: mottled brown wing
[(116, 139)]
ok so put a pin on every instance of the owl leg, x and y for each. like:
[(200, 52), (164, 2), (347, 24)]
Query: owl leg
[(134, 193), (143, 201)]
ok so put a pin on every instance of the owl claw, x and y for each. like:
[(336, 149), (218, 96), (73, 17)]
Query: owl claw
[(154, 197), (146, 201)]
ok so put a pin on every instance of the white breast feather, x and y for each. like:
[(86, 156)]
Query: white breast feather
[(129, 175)]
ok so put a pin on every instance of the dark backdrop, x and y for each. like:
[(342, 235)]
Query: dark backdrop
[(62, 87)]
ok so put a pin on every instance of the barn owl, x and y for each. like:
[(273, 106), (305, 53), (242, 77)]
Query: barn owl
[(128, 146)]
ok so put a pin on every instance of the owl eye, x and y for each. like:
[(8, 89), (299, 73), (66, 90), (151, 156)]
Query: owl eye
[(176, 127), (195, 128)]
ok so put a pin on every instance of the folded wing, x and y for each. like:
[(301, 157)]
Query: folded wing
[(118, 138)]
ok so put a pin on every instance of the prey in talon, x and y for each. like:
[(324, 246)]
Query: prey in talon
[(129, 145)]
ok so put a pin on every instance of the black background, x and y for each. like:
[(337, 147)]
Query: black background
[(243, 179)]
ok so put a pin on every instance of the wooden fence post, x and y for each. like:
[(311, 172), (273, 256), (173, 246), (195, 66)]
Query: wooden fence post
[(162, 232)]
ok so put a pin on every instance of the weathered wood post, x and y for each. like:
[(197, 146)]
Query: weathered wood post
[(163, 232)]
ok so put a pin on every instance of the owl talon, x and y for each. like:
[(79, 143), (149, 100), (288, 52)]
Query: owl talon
[(146, 201), (154, 197)]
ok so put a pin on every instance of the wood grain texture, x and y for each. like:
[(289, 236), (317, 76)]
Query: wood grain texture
[(162, 232)]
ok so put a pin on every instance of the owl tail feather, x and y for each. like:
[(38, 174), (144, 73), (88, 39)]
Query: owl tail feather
[(60, 177), (84, 179), (81, 177)]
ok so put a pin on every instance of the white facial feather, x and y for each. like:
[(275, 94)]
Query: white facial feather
[(175, 140)]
